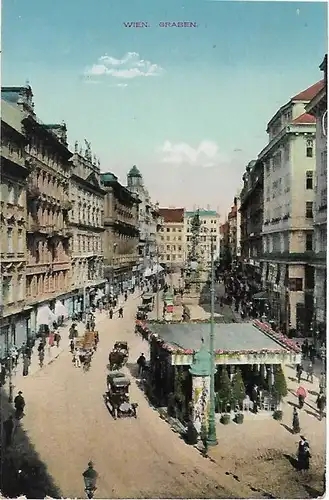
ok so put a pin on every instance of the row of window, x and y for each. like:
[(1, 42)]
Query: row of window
[(170, 248), (203, 221), (173, 229), (171, 238), (86, 243), (44, 284), (277, 242), (172, 257), (282, 156)]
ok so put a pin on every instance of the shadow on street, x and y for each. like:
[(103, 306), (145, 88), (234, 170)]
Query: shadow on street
[(33, 481)]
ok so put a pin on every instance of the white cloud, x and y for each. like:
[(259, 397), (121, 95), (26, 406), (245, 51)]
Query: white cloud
[(205, 155), (130, 66)]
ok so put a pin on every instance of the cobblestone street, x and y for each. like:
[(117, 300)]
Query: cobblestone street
[(68, 423)]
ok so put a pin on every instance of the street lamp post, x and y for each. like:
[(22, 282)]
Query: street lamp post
[(90, 478), (212, 439)]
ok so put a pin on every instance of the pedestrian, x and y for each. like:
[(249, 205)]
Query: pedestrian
[(295, 421), (111, 313), (41, 358), (141, 362), (126, 296), (19, 403), (8, 427), (299, 372), (26, 364), (57, 339), (72, 346), (321, 403), (310, 372), (121, 312), (303, 454), (254, 398), (312, 353), (77, 360)]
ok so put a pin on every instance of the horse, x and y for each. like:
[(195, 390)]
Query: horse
[(117, 360)]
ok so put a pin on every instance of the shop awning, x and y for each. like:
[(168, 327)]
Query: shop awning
[(151, 271), (261, 296), (60, 309), (45, 316)]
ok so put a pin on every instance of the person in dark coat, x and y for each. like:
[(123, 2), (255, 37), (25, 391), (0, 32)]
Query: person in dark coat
[(121, 312), (111, 313), (254, 398), (26, 364), (299, 372), (304, 454), (19, 403), (8, 427), (295, 421), (321, 404), (141, 364)]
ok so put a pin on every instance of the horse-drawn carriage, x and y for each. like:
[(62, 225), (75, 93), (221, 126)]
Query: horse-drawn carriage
[(148, 301), (117, 396), (142, 312), (118, 357)]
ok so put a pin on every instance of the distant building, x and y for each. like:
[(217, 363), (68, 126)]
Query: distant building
[(148, 219), (234, 222), (317, 107), (209, 230), (14, 171), (171, 238), (251, 210), (86, 221), (289, 167), (121, 234)]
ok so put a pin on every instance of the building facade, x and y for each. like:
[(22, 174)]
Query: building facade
[(251, 213), (121, 234), (317, 107), (289, 166), (172, 239), (149, 220), (209, 230), (14, 172), (48, 258), (86, 221), (234, 221)]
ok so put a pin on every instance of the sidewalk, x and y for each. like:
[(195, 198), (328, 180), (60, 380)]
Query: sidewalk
[(52, 353)]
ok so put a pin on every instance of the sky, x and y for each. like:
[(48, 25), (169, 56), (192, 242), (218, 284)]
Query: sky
[(187, 105)]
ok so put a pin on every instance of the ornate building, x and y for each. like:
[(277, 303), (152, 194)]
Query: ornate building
[(171, 239), (86, 221), (149, 220), (14, 171), (289, 165), (121, 233), (251, 210), (48, 258), (317, 107)]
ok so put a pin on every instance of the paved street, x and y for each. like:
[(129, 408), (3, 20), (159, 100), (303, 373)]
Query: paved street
[(68, 423)]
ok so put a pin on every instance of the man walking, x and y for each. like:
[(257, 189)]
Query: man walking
[(310, 372), (121, 312)]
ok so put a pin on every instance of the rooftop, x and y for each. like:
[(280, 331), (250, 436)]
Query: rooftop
[(12, 115), (309, 93), (202, 213), (228, 336), (174, 215), (304, 119)]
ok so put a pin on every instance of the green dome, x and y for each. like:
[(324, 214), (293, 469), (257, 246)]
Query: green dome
[(134, 172), (201, 362)]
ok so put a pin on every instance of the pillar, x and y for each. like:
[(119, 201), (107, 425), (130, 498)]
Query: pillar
[(201, 400)]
